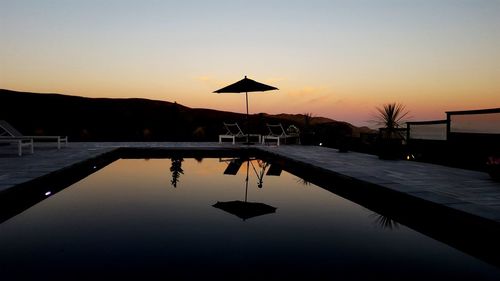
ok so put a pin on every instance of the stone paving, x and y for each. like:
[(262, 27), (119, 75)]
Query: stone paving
[(469, 191), (47, 158)]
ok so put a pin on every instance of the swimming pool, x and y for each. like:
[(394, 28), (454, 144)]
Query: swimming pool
[(141, 218)]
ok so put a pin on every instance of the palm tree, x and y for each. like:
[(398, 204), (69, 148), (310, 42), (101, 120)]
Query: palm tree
[(391, 116), (307, 136), (390, 143)]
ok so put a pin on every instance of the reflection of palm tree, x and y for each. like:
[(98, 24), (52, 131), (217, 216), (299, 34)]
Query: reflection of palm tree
[(260, 175), (176, 170), (260, 168), (302, 181), (384, 221)]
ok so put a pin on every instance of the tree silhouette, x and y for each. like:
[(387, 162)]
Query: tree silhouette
[(391, 116)]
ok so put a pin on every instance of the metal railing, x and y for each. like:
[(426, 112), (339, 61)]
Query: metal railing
[(427, 130), (483, 121)]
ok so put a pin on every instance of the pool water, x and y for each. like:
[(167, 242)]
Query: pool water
[(142, 218)]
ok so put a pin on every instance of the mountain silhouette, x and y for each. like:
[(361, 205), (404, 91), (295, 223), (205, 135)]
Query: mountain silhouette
[(137, 119)]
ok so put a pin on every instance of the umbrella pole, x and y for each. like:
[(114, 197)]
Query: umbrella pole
[(246, 181), (248, 120)]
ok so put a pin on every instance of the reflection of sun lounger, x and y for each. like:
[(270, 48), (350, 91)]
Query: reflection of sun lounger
[(6, 130), (233, 131), (274, 170), (21, 142), (276, 132), (233, 167)]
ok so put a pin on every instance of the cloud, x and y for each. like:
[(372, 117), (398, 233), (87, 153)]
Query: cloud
[(204, 78), (275, 80), (306, 92), (208, 81), (311, 95), (320, 99)]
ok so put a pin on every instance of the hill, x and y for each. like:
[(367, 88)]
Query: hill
[(135, 119)]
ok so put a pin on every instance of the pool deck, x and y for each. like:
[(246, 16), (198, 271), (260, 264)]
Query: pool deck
[(463, 190)]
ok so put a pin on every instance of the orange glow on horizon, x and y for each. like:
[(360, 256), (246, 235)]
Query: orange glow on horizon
[(340, 67)]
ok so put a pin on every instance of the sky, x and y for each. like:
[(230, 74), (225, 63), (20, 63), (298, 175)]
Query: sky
[(336, 59)]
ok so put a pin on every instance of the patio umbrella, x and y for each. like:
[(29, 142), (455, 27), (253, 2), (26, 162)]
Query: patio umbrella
[(246, 85), (245, 209)]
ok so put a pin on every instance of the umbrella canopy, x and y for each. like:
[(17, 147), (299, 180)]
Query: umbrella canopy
[(246, 85), (245, 210)]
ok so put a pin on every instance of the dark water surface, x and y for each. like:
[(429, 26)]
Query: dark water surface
[(145, 218)]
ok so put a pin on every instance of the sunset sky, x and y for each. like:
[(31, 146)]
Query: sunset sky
[(338, 59)]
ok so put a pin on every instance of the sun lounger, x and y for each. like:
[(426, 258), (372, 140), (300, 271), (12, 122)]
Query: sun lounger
[(277, 133), (233, 131), (7, 131), (20, 142)]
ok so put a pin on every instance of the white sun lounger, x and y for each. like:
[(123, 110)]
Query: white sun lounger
[(277, 133), (9, 132), (233, 131), (20, 142)]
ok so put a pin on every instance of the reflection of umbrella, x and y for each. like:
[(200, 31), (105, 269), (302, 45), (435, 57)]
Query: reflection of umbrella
[(244, 209), (246, 85)]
